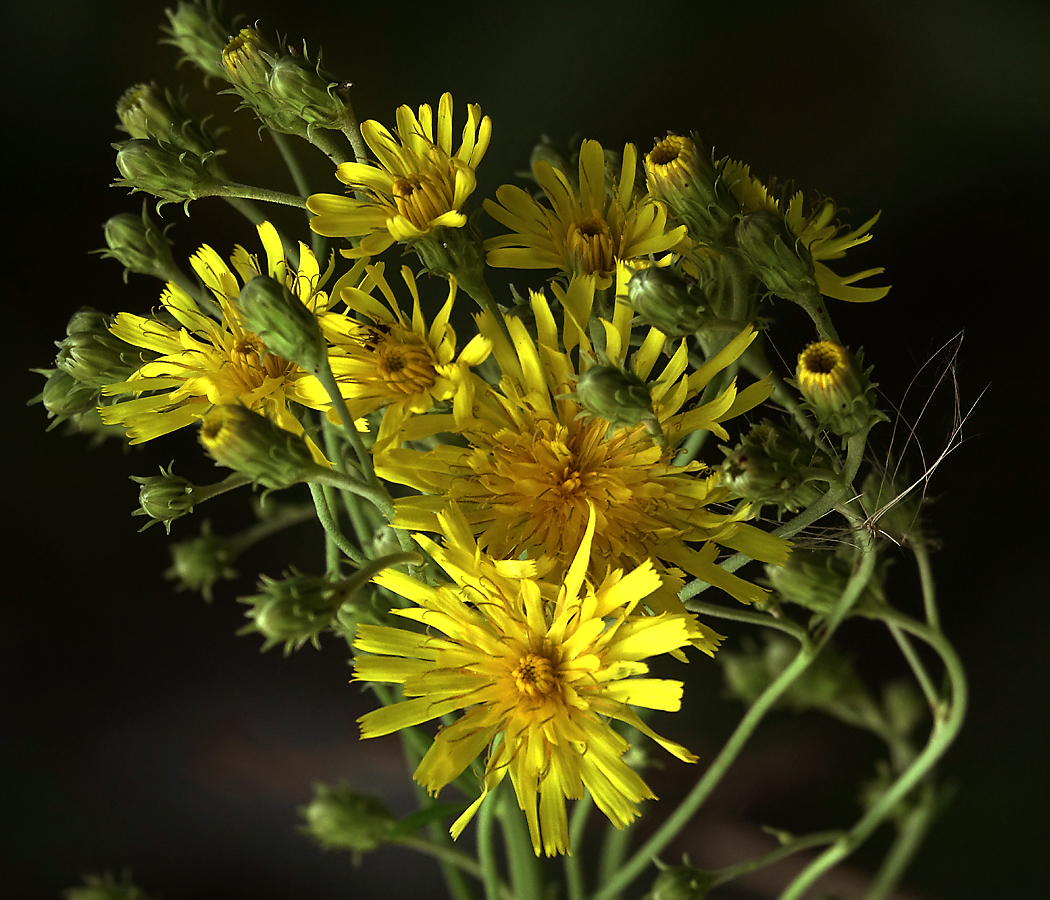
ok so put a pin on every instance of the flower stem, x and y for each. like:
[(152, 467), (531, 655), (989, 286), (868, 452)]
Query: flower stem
[(459, 859), (525, 875), (331, 527), (232, 190), (804, 842), (574, 884), (487, 850)]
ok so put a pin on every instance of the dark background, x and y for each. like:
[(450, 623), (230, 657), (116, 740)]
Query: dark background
[(140, 732)]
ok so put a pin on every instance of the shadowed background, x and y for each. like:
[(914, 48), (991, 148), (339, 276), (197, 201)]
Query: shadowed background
[(141, 733)]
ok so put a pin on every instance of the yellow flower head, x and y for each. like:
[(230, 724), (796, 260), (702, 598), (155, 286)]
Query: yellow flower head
[(586, 231), (534, 468), (204, 362), (538, 668), (418, 185), (392, 362), (819, 232)]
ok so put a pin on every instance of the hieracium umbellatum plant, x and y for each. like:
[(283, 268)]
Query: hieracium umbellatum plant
[(514, 517)]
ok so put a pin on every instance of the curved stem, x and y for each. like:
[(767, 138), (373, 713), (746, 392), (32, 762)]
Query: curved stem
[(929, 590), (331, 527), (947, 722), (910, 834), (804, 842), (232, 190)]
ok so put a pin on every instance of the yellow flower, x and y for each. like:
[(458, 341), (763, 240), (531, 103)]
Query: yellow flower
[(538, 667), (204, 362), (819, 232), (587, 231), (534, 468), (390, 361), (418, 185)]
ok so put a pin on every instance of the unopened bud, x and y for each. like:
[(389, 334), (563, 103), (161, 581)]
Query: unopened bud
[(148, 113), (341, 818), (307, 93), (199, 563), (105, 887), (250, 443), (681, 883), (839, 393), (164, 498), (775, 465), (293, 610), (95, 357), (781, 261), (816, 580), (282, 322), (196, 29), (138, 245), (664, 300), (620, 397), (171, 176)]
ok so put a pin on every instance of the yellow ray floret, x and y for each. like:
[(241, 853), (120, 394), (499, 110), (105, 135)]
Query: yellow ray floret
[(537, 668)]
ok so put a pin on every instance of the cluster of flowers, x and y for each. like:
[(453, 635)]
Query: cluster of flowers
[(554, 453)]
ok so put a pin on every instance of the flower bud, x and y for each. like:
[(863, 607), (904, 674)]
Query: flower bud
[(197, 564), (680, 174), (250, 443), (309, 94), (781, 262), (66, 398), (775, 465), (246, 61), (200, 34), (340, 817), (681, 883), (664, 300), (293, 610), (138, 245), (839, 393), (620, 397), (816, 579), (147, 113), (282, 322), (892, 509), (92, 355), (164, 498), (105, 887), (171, 176)]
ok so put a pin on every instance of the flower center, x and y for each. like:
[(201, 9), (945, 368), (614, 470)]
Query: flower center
[(421, 198), (405, 368), (534, 675), (589, 243), (822, 363), (250, 368), (669, 151)]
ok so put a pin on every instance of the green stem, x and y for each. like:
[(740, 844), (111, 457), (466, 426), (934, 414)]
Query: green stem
[(229, 483), (947, 722), (746, 615), (364, 458), (917, 667), (318, 242), (331, 527), (574, 883), (817, 839), (459, 859), (352, 130), (526, 876), (929, 589), (487, 850), (329, 147), (614, 849), (807, 652), (910, 834), (232, 190), (813, 304), (351, 501)]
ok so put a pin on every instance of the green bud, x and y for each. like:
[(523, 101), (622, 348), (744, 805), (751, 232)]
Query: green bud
[(138, 245), (341, 818), (293, 610), (840, 394), (199, 563), (620, 397), (816, 579), (681, 883), (545, 151), (776, 465), (781, 262), (164, 498), (147, 113), (250, 443), (283, 322), (309, 94), (894, 510), (196, 29), (170, 175), (683, 175), (663, 299), (66, 398), (95, 357), (105, 887)]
